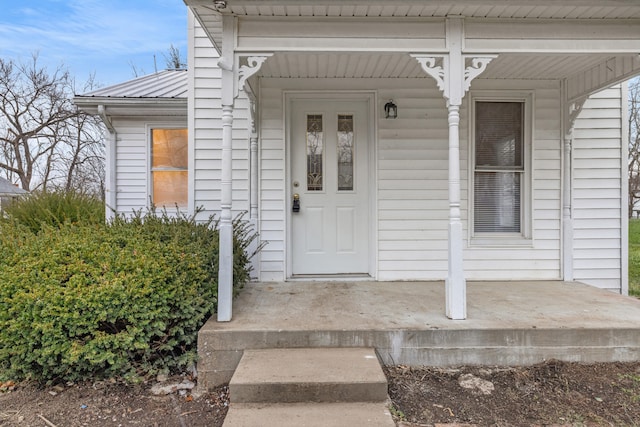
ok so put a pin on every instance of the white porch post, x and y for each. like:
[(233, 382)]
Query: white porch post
[(570, 112), (225, 272), (454, 79), (225, 229), (253, 189), (456, 286), (234, 78)]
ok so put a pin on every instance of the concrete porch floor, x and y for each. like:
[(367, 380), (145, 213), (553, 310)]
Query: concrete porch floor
[(508, 323)]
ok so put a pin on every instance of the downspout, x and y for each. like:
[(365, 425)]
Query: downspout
[(110, 165)]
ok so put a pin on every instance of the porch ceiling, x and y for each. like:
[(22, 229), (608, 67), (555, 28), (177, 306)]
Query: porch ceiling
[(376, 65)]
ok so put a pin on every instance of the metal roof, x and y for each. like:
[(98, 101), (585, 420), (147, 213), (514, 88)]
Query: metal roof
[(6, 187), (163, 84)]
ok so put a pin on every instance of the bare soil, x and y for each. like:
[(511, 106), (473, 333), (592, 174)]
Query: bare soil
[(553, 393)]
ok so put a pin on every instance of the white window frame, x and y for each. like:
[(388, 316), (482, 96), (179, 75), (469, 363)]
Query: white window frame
[(525, 236), (149, 142)]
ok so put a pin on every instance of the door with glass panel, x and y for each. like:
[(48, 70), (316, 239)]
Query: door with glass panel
[(329, 187)]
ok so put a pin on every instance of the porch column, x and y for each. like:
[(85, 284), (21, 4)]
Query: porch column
[(570, 112), (225, 228), (234, 78), (454, 79), (254, 171), (225, 266)]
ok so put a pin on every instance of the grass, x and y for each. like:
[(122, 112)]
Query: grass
[(634, 257)]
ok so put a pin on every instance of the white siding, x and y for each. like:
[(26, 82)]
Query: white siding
[(412, 177), (412, 184), (205, 127), (597, 191), (131, 165)]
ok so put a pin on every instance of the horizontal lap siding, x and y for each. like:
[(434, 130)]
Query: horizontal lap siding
[(597, 191), (272, 184), (132, 165), (412, 185), (540, 259), (206, 128)]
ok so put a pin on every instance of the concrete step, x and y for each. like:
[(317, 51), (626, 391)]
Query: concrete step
[(308, 375), (370, 414)]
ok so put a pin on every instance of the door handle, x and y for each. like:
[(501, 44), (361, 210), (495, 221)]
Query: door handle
[(296, 203)]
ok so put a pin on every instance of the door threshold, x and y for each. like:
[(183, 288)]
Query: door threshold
[(352, 277)]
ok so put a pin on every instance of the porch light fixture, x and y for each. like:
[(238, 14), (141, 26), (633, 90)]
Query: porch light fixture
[(390, 110), (220, 4)]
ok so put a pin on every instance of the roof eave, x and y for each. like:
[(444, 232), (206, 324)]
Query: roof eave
[(132, 106)]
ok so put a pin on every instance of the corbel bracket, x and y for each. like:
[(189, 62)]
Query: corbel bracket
[(253, 64), (476, 67), (437, 66), (574, 110)]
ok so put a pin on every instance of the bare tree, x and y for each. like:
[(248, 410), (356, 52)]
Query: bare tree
[(45, 140), (634, 144), (173, 59)]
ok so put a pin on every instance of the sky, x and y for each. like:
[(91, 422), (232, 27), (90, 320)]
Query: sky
[(105, 37)]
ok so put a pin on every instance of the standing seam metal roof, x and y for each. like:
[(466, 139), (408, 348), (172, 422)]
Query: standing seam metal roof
[(163, 84)]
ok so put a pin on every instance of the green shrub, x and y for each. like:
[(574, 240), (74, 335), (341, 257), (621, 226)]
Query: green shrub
[(634, 257), (55, 209), (125, 299)]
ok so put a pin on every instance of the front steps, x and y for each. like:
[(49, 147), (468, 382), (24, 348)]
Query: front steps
[(309, 387)]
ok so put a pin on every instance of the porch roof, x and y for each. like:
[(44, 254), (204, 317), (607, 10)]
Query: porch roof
[(535, 9), (534, 39)]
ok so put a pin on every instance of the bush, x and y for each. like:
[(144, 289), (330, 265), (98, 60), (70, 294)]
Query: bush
[(124, 299), (634, 257), (54, 209)]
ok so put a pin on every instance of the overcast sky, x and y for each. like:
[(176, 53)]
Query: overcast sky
[(102, 36)]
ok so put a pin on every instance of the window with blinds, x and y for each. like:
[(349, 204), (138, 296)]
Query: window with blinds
[(498, 167)]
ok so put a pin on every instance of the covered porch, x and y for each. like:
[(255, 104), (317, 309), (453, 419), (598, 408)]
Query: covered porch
[(510, 323), (553, 58)]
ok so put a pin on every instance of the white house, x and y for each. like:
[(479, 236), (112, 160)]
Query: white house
[(9, 192), (392, 140)]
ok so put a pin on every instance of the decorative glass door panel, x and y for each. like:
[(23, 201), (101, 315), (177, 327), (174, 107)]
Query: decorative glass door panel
[(345, 152), (329, 176), (315, 152)]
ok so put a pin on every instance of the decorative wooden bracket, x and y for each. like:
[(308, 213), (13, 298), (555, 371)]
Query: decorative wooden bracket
[(253, 65), (574, 110), (437, 66), (477, 67)]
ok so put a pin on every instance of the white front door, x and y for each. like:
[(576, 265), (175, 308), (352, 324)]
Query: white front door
[(330, 145)]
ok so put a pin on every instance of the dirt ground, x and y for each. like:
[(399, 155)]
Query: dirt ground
[(553, 393)]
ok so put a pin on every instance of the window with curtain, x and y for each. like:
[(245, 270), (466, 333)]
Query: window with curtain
[(499, 167), (169, 167)]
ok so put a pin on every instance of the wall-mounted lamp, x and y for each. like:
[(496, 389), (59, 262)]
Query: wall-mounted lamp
[(220, 5), (390, 110)]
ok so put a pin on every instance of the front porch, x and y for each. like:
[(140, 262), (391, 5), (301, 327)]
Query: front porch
[(509, 323)]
